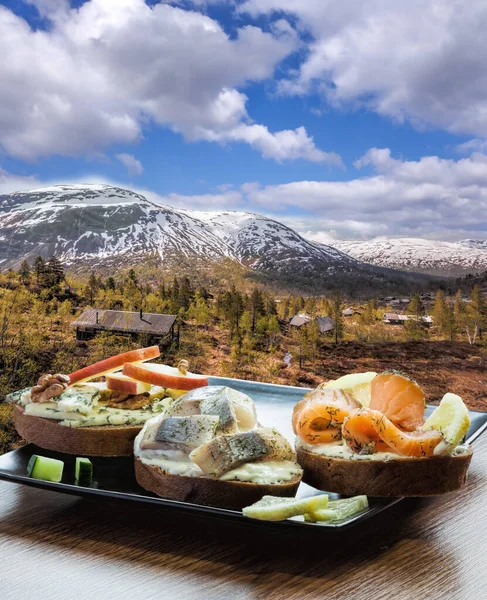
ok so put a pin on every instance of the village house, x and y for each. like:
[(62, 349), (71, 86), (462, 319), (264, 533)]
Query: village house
[(156, 326), (391, 318), (325, 324)]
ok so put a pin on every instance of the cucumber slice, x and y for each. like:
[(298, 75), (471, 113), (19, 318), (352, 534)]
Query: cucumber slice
[(83, 471), (338, 510), (272, 508), (48, 469)]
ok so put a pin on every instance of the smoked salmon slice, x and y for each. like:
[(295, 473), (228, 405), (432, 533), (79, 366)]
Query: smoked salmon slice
[(366, 431), (318, 417), (399, 398)]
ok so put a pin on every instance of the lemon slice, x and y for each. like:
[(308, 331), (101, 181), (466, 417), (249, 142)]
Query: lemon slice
[(356, 384), (450, 418), (272, 508), (338, 510), (175, 394)]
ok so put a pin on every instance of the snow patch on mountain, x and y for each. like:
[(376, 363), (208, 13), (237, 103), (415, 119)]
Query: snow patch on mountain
[(478, 244), (418, 255)]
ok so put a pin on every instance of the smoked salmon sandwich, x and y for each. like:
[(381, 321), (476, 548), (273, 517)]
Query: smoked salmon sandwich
[(367, 434), (208, 448), (98, 410)]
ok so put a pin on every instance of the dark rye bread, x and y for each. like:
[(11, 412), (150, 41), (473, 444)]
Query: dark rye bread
[(208, 491), (405, 477), (107, 440)]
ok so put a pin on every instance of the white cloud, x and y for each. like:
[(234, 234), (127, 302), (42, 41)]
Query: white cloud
[(133, 166), (105, 70), (14, 183), (408, 60), (49, 8), (322, 237), (425, 198), (475, 145), (282, 145)]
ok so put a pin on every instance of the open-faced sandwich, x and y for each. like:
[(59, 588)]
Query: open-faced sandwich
[(367, 434), (77, 415), (208, 448)]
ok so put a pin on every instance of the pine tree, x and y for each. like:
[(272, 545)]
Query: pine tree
[(284, 309), (175, 291), (416, 306), (246, 322), (132, 295), (202, 292), (313, 335), (92, 288), (368, 316), (110, 284), (310, 307), (24, 272), (270, 306), (450, 319), (39, 269), (477, 311), (414, 329), (273, 330), (185, 294), (237, 307), (336, 306), (54, 272), (132, 276), (256, 307), (439, 314)]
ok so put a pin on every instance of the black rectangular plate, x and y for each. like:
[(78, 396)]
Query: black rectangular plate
[(115, 478)]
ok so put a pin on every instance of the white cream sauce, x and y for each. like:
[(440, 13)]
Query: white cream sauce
[(341, 450), (265, 472)]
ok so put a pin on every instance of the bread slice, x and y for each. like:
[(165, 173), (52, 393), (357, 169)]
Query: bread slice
[(206, 490), (107, 440), (405, 477)]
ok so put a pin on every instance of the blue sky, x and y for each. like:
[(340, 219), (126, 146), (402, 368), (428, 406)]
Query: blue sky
[(349, 121)]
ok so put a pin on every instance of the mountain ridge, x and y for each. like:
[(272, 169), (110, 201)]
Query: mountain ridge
[(433, 257), (95, 225)]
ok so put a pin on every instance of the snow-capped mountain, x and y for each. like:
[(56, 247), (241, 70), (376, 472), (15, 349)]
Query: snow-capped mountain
[(100, 224), (96, 223), (419, 255), (262, 243), (479, 244)]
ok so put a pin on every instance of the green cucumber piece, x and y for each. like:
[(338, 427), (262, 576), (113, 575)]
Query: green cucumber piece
[(48, 469), (339, 510), (83, 471)]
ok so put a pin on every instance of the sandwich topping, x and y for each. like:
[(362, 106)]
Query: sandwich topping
[(384, 421), (77, 401), (213, 432), (89, 405)]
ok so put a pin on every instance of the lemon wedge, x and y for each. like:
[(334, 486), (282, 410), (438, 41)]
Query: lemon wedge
[(451, 418), (356, 384), (272, 508), (338, 510)]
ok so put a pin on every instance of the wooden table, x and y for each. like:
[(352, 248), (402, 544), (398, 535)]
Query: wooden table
[(58, 546)]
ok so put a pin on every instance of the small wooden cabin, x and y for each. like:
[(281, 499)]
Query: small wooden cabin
[(326, 324), (397, 319), (156, 326)]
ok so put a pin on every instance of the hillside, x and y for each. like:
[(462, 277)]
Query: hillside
[(100, 227)]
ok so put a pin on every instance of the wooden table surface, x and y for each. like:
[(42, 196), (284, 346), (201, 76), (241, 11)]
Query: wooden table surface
[(58, 546)]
